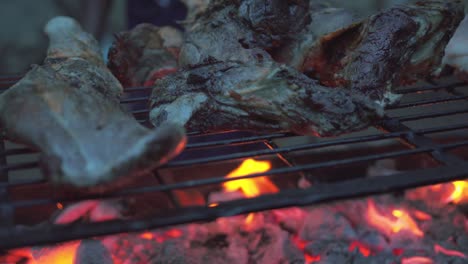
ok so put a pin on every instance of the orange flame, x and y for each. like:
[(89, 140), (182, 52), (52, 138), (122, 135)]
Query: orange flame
[(63, 254), (249, 219), (251, 187), (459, 193), (448, 252), (402, 222)]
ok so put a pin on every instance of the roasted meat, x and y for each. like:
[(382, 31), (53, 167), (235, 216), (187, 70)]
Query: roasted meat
[(265, 97), (242, 30), (395, 46), (68, 109), (139, 56)]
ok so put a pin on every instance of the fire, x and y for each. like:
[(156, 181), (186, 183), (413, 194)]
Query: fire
[(251, 187), (441, 194), (459, 193), (64, 254), (402, 221)]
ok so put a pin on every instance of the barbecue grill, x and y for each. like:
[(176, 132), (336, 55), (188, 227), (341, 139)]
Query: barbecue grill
[(430, 122)]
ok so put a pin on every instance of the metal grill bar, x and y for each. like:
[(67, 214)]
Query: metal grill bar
[(191, 162), (221, 179)]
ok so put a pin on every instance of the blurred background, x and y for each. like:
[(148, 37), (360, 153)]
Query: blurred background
[(23, 43)]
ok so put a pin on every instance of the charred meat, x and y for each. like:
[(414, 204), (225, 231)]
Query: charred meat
[(242, 30), (266, 97), (395, 46), (69, 110), (143, 54)]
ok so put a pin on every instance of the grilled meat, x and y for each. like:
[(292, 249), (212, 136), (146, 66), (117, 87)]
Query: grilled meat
[(69, 109), (242, 30), (143, 54), (392, 47), (265, 97)]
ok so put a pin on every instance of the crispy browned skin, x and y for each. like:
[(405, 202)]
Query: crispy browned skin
[(267, 97), (241, 30), (392, 47), (139, 56), (69, 110)]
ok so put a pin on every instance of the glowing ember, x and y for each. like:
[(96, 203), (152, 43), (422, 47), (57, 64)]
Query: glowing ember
[(363, 249), (301, 244), (388, 226), (448, 252), (250, 187), (420, 215), (398, 251), (174, 233), (417, 260), (311, 259), (147, 236), (63, 254), (460, 192)]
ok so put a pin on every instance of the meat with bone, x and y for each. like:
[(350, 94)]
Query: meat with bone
[(145, 53), (241, 30), (396, 45), (266, 97), (69, 110)]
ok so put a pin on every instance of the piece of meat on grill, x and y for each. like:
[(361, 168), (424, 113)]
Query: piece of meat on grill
[(267, 97), (395, 46), (139, 56), (69, 110), (241, 30)]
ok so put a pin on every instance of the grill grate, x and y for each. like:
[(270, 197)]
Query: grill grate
[(445, 99)]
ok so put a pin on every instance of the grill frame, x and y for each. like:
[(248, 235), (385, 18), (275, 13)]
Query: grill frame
[(452, 168)]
